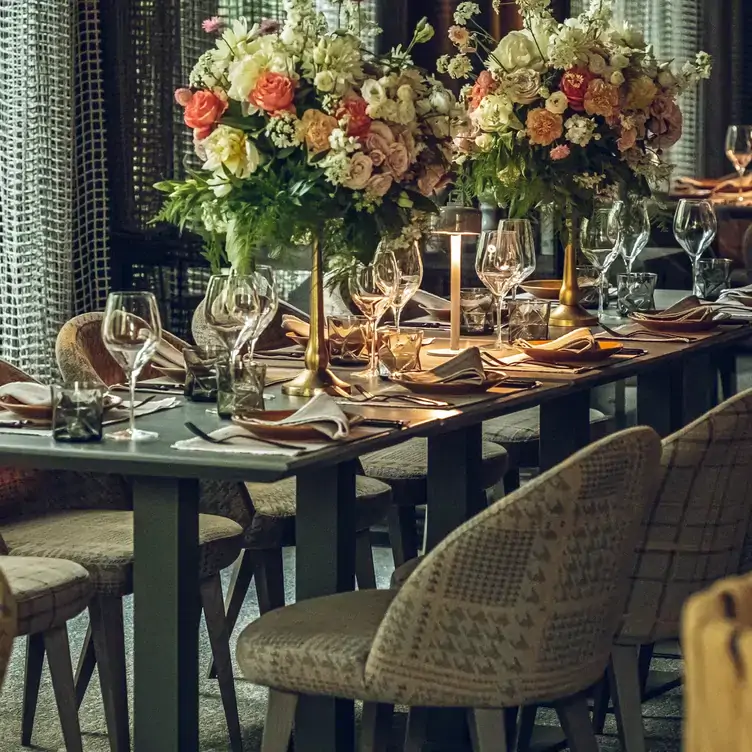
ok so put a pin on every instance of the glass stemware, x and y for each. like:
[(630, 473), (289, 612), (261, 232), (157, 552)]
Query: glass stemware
[(268, 302), (695, 226), (523, 228), (598, 238), (231, 309), (499, 264), (634, 230), (409, 268), (372, 291), (131, 332), (739, 150)]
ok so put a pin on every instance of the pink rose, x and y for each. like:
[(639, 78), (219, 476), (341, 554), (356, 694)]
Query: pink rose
[(361, 169), (379, 185), (379, 137), (183, 97), (431, 180), (377, 157), (666, 122), (397, 160), (560, 152)]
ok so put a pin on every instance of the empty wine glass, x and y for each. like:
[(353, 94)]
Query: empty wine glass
[(739, 150), (523, 228), (695, 226), (231, 309), (268, 303), (372, 293), (131, 332), (634, 230), (598, 236), (409, 269), (499, 263)]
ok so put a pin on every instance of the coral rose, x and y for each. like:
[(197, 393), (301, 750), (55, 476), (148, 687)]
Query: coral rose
[(354, 110), (274, 93), (574, 83), (203, 112), (544, 127), (560, 152), (317, 127), (483, 86), (666, 122), (360, 172), (601, 98)]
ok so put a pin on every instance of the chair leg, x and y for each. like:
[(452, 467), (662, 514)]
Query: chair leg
[(627, 698), (575, 720), (487, 729), (61, 671), (87, 662), (106, 615), (270, 579), (415, 735), (34, 666), (376, 727), (526, 727), (601, 700), (214, 612), (402, 535), (365, 574), (511, 480), (280, 717)]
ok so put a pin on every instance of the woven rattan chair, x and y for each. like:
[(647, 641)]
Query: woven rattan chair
[(44, 595), (518, 605)]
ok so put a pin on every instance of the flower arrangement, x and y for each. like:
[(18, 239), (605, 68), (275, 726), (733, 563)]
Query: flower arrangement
[(301, 131), (565, 111)]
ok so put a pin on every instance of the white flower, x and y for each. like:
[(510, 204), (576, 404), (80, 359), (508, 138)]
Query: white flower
[(518, 49), (441, 100), (495, 113), (666, 78), (627, 35), (596, 63), (619, 61), (442, 64), (533, 7), (459, 66), (230, 149), (340, 141), (569, 47), (617, 78), (484, 141), (325, 81), (285, 130), (336, 166), (262, 56), (580, 130), (557, 103), (589, 179), (440, 126), (219, 185), (464, 12), (405, 112), (405, 93), (373, 92), (338, 54)]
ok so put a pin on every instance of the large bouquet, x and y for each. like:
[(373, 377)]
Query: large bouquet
[(565, 111), (301, 132)]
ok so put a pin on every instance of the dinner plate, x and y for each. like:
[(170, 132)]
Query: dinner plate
[(432, 387), (177, 373), (548, 289), (43, 413), (439, 314), (287, 432), (604, 350), (679, 327)]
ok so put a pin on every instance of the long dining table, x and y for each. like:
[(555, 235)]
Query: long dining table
[(676, 382)]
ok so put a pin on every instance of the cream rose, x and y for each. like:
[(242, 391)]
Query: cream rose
[(522, 86), (617, 78), (517, 50), (325, 81), (441, 100), (484, 142), (596, 63), (230, 148), (379, 184), (557, 103), (361, 169), (373, 92), (495, 113)]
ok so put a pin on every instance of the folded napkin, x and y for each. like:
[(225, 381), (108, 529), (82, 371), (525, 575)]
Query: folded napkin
[(27, 392), (241, 442), (577, 341), (296, 326), (465, 368), (431, 301), (121, 413), (737, 295), (687, 309), (167, 356)]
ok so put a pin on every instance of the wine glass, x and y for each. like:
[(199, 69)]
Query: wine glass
[(372, 292), (268, 302), (409, 268), (524, 230), (633, 230), (231, 309), (739, 150), (499, 263), (131, 332), (695, 226), (598, 236)]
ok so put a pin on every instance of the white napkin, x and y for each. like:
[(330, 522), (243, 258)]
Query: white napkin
[(295, 325), (168, 356), (465, 368), (737, 302), (242, 443), (27, 392), (575, 341), (431, 301)]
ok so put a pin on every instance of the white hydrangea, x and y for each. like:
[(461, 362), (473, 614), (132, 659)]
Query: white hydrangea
[(284, 130), (569, 46), (336, 166), (580, 130), (339, 141)]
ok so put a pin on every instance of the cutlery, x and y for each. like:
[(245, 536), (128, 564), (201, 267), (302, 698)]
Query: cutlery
[(194, 429), (513, 383), (383, 423), (645, 336), (412, 398), (142, 387)]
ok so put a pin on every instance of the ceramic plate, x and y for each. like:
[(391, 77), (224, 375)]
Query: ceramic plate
[(427, 387), (285, 433), (679, 327), (603, 351), (547, 289)]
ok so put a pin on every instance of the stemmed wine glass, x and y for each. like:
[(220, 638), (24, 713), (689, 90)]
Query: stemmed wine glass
[(633, 230), (131, 332), (524, 231), (499, 263), (371, 289), (598, 236), (695, 226), (409, 268), (739, 150), (231, 309), (267, 304)]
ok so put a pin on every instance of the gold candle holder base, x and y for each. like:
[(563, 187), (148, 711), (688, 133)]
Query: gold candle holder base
[(308, 383), (573, 316)]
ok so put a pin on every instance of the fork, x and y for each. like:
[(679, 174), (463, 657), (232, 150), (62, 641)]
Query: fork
[(194, 429), (654, 336), (413, 398)]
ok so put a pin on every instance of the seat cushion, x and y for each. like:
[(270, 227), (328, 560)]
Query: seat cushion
[(400, 575), (317, 646), (522, 426), (278, 499), (407, 465), (102, 542), (48, 592)]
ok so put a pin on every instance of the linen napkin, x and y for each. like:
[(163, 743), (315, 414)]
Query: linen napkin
[(295, 325), (737, 303), (431, 301), (687, 309), (576, 341), (241, 442), (167, 356), (465, 368), (27, 392)]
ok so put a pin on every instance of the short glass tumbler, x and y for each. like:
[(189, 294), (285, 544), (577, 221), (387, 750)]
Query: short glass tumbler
[(635, 292), (713, 277), (77, 411), (528, 319), (476, 305), (348, 337), (400, 350), (248, 388), (201, 372), (588, 279), (225, 397)]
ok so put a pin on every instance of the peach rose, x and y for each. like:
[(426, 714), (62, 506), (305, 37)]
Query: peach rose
[(379, 185), (601, 98), (377, 157), (203, 112), (544, 127), (274, 93), (354, 110), (522, 85), (627, 139), (317, 127), (460, 37), (431, 180), (183, 96), (397, 160), (379, 137), (483, 86), (666, 122), (361, 169), (574, 83)]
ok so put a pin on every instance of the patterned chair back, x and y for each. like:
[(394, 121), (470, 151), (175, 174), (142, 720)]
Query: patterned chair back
[(8, 625), (82, 356), (521, 603), (693, 533)]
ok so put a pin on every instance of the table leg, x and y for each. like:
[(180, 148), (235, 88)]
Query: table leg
[(167, 609), (454, 491), (726, 364), (325, 564), (564, 428)]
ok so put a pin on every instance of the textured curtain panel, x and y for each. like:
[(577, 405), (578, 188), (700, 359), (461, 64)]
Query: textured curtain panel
[(53, 216)]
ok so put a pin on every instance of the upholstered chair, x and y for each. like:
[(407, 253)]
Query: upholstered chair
[(692, 534), (518, 605), (38, 597), (88, 519)]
